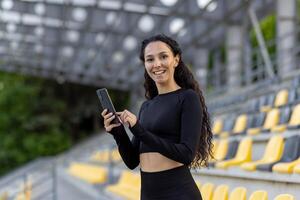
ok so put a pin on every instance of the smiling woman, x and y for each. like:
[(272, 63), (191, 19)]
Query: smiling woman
[(177, 138)]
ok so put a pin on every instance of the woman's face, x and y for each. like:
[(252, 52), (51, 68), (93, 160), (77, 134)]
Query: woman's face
[(160, 62)]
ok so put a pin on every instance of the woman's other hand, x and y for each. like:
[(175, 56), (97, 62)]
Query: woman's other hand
[(108, 117), (127, 118)]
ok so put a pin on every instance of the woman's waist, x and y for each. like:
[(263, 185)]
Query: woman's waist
[(154, 162)]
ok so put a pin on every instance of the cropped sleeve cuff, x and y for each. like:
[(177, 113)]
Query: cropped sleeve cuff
[(137, 129)]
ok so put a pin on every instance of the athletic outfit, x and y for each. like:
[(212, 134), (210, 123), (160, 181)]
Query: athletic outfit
[(169, 124)]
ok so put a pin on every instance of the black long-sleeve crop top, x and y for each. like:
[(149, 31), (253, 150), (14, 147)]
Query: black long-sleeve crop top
[(169, 124)]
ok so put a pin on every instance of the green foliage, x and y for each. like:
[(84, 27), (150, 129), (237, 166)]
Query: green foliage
[(30, 124), (268, 29)]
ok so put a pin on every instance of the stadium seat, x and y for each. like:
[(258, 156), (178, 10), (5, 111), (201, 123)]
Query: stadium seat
[(259, 195), (271, 121), (286, 168), (280, 100), (233, 145), (217, 126), (128, 186), (244, 154), (25, 192), (283, 121), (256, 122), (268, 103), (294, 122), (291, 152), (89, 173), (227, 128), (240, 124), (221, 192), (207, 191), (220, 151), (231, 151), (297, 169), (271, 154), (284, 197), (106, 156), (239, 193)]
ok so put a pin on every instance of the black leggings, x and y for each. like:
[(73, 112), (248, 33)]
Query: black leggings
[(171, 184)]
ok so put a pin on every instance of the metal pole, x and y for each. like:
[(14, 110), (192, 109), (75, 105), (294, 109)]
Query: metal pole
[(261, 42), (54, 181)]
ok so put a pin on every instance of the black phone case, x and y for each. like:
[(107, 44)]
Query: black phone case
[(106, 103)]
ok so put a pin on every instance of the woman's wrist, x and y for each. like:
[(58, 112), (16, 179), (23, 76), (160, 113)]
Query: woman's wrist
[(136, 129)]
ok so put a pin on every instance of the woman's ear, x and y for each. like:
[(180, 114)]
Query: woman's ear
[(177, 59)]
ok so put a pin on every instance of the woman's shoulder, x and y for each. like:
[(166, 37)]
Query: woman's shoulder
[(189, 93)]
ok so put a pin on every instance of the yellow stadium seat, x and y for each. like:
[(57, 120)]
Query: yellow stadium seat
[(207, 191), (271, 121), (221, 150), (286, 168), (221, 193), (240, 124), (280, 100), (244, 154), (239, 193), (217, 126), (89, 173), (128, 186), (285, 114), (284, 197), (295, 118), (297, 169), (259, 195), (271, 154), (25, 191), (106, 156), (102, 156)]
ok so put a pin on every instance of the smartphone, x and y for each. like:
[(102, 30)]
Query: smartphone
[(106, 103)]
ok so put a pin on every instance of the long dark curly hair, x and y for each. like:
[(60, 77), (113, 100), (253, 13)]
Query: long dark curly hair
[(185, 79)]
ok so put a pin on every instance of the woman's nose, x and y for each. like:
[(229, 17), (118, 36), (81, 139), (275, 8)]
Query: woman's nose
[(157, 63)]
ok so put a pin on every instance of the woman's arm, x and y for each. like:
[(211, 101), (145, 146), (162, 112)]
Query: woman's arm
[(191, 120), (129, 150)]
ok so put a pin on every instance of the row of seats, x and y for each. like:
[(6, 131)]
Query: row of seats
[(129, 184), (106, 156), (285, 158), (276, 120), (94, 173), (221, 192), (267, 102), (90, 173), (24, 194), (256, 103)]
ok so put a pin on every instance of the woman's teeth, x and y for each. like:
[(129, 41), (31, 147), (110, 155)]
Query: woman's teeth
[(159, 72)]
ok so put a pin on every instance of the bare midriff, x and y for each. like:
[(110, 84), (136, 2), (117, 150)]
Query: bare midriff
[(155, 162)]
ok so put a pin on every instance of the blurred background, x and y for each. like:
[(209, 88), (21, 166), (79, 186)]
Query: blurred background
[(54, 54)]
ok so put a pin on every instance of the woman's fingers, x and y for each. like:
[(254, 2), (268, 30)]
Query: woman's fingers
[(110, 127), (119, 113), (103, 112), (107, 116), (108, 120)]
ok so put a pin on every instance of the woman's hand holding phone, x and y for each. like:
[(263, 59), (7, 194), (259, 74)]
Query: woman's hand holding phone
[(125, 117), (108, 117)]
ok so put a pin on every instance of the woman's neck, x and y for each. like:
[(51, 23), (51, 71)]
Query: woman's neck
[(167, 88)]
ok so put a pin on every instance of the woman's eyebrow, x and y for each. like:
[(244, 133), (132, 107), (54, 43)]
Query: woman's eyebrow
[(163, 52)]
